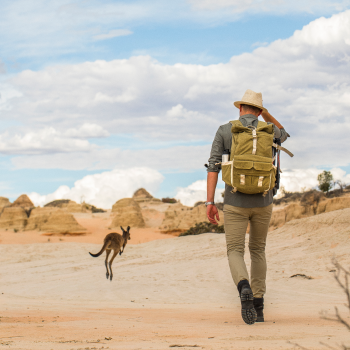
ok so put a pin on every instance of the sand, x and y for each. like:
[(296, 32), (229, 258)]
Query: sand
[(171, 293)]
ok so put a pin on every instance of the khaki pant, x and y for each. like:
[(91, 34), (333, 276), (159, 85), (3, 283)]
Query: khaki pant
[(236, 223)]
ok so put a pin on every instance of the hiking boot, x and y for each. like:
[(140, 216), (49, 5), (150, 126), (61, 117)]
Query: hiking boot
[(245, 293), (259, 307)]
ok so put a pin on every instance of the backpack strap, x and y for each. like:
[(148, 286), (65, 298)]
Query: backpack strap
[(283, 149)]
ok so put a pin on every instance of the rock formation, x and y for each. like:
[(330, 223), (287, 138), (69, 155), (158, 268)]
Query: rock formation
[(13, 218), (24, 202), (141, 195), (53, 220), (69, 206), (180, 217), (4, 202), (307, 208), (333, 204), (127, 212)]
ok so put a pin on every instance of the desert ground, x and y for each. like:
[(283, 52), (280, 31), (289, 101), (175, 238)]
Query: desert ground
[(169, 292)]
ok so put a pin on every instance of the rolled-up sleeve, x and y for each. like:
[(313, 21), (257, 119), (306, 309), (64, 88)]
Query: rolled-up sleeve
[(281, 134), (217, 149)]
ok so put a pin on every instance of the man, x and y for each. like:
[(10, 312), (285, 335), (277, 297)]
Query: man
[(240, 208)]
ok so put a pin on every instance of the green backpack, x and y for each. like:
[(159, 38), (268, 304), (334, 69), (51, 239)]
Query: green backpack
[(250, 169)]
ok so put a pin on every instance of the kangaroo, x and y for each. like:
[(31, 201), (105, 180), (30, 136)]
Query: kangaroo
[(116, 242)]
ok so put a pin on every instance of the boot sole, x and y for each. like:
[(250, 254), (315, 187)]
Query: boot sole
[(248, 312)]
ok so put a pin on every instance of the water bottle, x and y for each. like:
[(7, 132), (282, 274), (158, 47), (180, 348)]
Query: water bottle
[(226, 156)]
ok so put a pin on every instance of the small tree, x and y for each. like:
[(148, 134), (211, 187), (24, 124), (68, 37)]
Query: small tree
[(325, 180)]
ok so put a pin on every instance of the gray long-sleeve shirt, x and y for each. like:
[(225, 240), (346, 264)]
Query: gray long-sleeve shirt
[(223, 140)]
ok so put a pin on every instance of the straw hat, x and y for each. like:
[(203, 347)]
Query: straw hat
[(251, 98)]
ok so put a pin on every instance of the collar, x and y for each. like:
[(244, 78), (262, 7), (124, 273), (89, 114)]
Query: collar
[(248, 117)]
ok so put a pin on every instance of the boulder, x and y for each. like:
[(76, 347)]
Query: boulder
[(13, 218), (180, 217), (24, 202), (127, 213), (4, 202)]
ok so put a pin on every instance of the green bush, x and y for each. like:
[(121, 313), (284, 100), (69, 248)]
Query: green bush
[(203, 227), (325, 180)]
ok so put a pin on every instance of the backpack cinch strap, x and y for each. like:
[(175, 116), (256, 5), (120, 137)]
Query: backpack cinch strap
[(255, 137), (283, 149)]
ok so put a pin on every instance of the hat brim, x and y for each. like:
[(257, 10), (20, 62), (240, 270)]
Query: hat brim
[(238, 103)]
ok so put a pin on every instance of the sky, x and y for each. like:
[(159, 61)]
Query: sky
[(99, 98)]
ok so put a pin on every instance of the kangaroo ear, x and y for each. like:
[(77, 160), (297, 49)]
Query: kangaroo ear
[(128, 229), (122, 229)]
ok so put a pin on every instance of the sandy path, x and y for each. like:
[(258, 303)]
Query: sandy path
[(168, 292)]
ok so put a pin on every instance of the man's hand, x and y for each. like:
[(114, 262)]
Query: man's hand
[(212, 213)]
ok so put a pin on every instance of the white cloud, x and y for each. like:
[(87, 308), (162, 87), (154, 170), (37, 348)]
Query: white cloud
[(196, 192), (274, 6), (304, 80), (112, 34), (49, 140), (297, 180), (87, 131), (104, 189)]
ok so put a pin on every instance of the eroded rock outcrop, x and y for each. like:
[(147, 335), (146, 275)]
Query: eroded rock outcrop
[(307, 208), (127, 212), (4, 202), (24, 202), (13, 218), (53, 220), (69, 206), (141, 195), (180, 217)]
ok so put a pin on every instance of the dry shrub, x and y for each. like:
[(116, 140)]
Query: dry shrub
[(203, 227)]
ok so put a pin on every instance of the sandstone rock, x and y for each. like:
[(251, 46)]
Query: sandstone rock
[(74, 207), (69, 206), (59, 203), (62, 222), (23, 201), (13, 218), (127, 213), (38, 217), (141, 195), (333, 204), (311, 206), (180, 217), (4, 202)]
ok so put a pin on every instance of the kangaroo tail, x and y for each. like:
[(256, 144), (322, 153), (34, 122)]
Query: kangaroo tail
[(104, 247)]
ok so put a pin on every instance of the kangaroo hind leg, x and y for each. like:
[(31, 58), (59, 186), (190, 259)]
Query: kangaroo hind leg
[(115, 253), (108, 251)]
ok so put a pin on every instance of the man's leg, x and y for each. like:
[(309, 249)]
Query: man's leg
[(259, 225), (236, 222)]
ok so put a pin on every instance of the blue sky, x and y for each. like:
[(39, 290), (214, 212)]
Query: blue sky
[(91, 87)]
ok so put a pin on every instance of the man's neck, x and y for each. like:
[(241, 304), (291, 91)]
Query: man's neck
[(248, 115)]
